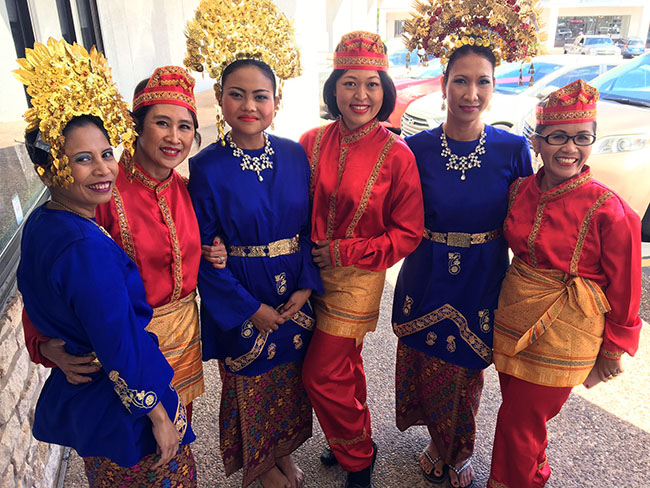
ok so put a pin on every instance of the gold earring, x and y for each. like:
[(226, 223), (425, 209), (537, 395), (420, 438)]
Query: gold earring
[(443, 107)]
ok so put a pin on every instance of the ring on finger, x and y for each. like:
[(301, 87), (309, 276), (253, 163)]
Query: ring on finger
[(219, 259)]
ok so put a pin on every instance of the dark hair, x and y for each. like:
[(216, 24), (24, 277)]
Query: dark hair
[(387, 106), (465, 50), (36, 150), (240, 63), (140, 114)]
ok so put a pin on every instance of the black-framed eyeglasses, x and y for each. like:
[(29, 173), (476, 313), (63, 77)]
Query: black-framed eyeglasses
[(558, 139)]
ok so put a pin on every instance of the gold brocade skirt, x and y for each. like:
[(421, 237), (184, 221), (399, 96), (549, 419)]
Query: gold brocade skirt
[(350, 305), (548, 326), (177, 326)]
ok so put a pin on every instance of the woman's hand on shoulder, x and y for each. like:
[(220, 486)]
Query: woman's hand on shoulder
[(266, 319), (296, 301), (321, 255), (74, 367), (216, 253), (165, 433)]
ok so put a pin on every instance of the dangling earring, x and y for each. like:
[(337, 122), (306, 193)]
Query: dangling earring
[(443, 107), (221, 122)]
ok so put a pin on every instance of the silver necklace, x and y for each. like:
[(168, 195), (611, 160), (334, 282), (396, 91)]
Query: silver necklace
[(463, 163), (64, 206), (257, 163)]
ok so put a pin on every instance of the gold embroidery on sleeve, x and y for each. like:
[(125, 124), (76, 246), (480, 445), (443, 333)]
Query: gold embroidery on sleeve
[(139, 399)]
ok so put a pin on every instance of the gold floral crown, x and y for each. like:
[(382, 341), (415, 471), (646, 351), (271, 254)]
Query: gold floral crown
[(509, 28), (65, 81), (224, 31)]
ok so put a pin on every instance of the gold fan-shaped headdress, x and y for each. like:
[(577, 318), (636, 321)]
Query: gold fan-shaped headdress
[(224, 31), (510, 28), (65, 81)]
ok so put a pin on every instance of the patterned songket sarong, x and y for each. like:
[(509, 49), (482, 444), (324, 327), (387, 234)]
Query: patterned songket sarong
[(177, 326), (180, 472), (274, 404), (549, 326), (443, 396)]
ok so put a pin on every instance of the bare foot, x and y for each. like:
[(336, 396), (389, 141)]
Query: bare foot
[(425, 464), (291, 470), (274, 478), (466, 474)]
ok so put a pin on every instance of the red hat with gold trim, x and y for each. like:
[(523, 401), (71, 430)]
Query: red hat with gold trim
[(572, 104), (361, 50), (169, 84)]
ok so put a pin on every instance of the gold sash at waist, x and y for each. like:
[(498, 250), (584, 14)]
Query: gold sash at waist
[(350, 305), (270, 250), (177, 326), (461, 239), (548, 326)]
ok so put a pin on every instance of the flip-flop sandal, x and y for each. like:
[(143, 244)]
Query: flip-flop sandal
[(458, 471), (431, 477)]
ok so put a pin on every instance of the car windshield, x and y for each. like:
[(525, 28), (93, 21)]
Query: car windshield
[(398, 58), (507, 75), (635, 43), (431, 71), (592, 41), (629, 83)]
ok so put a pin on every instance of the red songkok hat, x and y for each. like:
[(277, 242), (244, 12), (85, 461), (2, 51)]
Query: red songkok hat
[(361, 50), (572, 104), (169, 84)]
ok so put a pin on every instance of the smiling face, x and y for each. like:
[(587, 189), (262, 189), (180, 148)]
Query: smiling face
[(165, 139), (248, 104), (359, 97), (468, 87), (561, 163), (93, 167)]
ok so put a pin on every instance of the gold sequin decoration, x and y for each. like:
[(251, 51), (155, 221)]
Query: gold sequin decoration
[(297, 341), (484, 320), (451, 343), (431, 338), (454, 263), (130, 397), (273, 249), (408, 304), (247, 329), (270, 351), (281, 283)]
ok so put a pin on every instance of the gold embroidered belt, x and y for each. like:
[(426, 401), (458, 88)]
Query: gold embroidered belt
[(461, 239), (270, 250)]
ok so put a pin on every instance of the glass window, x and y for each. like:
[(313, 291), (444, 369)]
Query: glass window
[(507, 75)]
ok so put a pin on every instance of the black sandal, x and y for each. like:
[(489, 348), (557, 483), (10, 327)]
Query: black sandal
[(327, 457), (458, 471), (431, 477)]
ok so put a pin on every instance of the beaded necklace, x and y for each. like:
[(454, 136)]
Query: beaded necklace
[(463, 163), (64, 206), (257, 163)]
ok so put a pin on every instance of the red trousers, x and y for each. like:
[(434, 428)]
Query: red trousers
[(519, 451), (336, 385)]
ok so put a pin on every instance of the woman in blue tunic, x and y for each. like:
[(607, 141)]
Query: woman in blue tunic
[(448, 288), (79, 285), (252, 189)]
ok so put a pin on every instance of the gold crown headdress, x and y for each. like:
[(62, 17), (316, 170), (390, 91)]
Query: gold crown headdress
[(509, 28), (65, 81), (224, 31)]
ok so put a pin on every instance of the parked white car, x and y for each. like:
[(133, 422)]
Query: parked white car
[(512, 101), (592, 45), (620, 158)]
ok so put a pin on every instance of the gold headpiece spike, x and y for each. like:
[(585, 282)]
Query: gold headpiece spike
[(510, 28), (57, 74), (223, 31)]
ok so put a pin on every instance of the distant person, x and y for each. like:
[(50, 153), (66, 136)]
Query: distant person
[(570, 301)]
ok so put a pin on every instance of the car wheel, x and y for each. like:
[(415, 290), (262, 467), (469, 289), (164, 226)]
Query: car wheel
[(565, 51), (645, 226)]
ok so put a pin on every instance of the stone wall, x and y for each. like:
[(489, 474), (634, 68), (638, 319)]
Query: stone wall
[(24, 461)]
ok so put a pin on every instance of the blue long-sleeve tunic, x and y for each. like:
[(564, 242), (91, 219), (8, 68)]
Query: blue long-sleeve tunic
[(80, 286), (244, 211)]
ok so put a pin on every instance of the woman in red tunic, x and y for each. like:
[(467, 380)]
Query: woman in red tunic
[(570, 301), (367, 215)]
